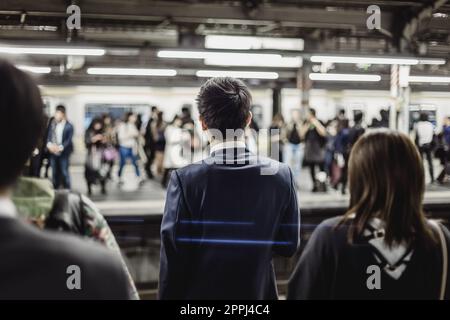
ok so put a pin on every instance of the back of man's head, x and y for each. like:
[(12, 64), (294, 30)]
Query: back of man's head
[(224, 103), (21, 121), (358, 117), (423, 116)]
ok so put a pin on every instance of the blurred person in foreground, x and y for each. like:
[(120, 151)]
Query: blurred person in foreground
[(65, 211), (384, 228), (37, 264), (227, 215), (60, 147)]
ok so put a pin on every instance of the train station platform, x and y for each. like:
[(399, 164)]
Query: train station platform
[(133, 199)]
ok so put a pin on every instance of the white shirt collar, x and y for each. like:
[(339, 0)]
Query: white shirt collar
[(7, 208), (62, 123), (227, 144)]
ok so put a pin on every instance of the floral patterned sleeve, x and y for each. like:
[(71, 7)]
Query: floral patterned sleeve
[(98, 229)]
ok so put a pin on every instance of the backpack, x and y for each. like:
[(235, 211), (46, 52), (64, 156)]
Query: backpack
[(67, 213)]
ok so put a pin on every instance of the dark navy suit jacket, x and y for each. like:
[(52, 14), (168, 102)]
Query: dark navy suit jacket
[(66, 138), (222, 223)]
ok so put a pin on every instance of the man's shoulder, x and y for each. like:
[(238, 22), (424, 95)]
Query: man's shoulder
[(53, 255), (67, 247), (69, 124), (264, 165)]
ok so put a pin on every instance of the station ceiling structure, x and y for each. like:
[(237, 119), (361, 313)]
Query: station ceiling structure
[(130, 39)]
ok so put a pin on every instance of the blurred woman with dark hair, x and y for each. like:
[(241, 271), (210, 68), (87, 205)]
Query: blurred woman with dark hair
[(384, 247), (95, 167)]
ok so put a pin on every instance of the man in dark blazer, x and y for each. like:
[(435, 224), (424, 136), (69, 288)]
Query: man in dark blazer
[(36, 264), (227, 215), (60, 146)]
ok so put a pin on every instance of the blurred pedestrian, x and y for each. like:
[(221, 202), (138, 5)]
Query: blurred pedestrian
[(294, 149), (159, 140), (443, 152), (314, 133), (110, 154), (149, 145), (128, 135), (342, 152), (424, 131), (175, 139), (277, 137), (96, 170), (60, 147)]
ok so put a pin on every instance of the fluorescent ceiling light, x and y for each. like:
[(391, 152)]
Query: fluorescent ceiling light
[(255, 43), (132, 72), (237, 74), (432, 61), (68, 51), (242, 61), (235, 58), (41, 70), (429, 79), (364, 60), (344, 77)]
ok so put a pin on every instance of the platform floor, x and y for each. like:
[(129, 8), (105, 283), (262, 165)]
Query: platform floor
[(148, 198)]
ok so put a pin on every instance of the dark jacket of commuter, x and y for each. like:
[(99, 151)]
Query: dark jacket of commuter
[(226, 216), (384, 247), (60, 147), (36, 264)]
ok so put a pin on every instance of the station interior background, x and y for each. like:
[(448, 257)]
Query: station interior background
[(136, 33)]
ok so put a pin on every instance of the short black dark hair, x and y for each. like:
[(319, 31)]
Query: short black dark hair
[(312, 111), (224, 103), (358, 116), (423, 116), (22, 121), (61, 108)]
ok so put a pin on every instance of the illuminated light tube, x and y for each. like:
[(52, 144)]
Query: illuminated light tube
[(183, 54), (40, 70), (237, 74), (432, 61), (255, 43), (429, 79), (235, 58), (132, 72), (364, 60), (344, 77), (283, 62), (53, 51)]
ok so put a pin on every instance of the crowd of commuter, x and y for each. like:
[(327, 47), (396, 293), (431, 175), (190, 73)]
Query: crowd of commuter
[(325, 147), (223, 218), (159, 147)]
